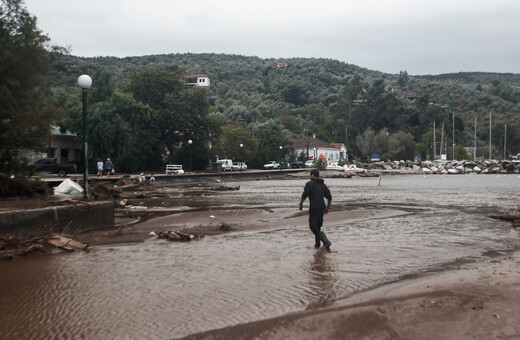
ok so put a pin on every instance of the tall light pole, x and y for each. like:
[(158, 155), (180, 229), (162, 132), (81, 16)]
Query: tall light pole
[(505, 140), (85, 82), (490, 135), (280, 166), (189, 143), (452, 130), (241, 158)]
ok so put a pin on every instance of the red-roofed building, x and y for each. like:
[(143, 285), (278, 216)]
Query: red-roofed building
[(410, 96)]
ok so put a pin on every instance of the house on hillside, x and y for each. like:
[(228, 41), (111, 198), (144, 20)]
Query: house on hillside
[(410, 96), (357, 102), (196, 80), (331, 152)]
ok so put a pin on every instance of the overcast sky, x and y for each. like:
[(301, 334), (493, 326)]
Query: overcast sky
[(419, 36)]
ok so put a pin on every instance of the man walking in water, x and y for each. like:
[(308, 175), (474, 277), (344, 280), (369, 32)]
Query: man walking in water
[(316, 190)]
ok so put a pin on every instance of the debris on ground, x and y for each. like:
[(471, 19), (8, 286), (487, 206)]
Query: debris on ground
[(16, 246), (513, 216), (176, 236), (105, 191), (66, 243), (225, 227)]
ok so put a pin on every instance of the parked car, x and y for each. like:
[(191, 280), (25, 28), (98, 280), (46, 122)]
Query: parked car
[(227, 164), (309, 164), (271, 165), (51, 165), (297, 165), (237, 166)]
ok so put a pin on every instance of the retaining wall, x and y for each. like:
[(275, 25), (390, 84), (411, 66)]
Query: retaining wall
[(68, 218)]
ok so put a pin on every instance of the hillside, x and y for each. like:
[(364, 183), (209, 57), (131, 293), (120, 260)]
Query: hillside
[(295, 90)]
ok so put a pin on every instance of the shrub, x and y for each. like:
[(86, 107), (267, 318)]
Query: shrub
[(22, 187)]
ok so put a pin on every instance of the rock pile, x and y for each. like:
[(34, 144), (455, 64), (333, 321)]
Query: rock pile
[(449, 167)]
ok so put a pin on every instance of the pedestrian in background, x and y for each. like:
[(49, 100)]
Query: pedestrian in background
[(99, 166), (316, 190), (109, 166)]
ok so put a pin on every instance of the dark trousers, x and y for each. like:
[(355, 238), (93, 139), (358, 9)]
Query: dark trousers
[(315, 223)]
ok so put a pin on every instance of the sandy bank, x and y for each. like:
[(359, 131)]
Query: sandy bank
[(477, 302)]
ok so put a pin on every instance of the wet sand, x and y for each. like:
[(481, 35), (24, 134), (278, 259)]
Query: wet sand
[(475, 301)]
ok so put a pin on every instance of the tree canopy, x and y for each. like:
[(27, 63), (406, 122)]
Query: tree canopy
[(26, 112)]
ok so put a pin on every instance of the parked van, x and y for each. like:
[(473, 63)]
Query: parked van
[(227, 164)]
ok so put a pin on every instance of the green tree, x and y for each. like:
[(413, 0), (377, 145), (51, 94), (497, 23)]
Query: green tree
[(25, 112), (367, 143), (179, 114), (232, 136), (403, 79), (271, 136), (407, 148)]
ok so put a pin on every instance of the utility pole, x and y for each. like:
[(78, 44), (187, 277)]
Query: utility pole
[(453, 131), (490, 135), (505, 140), (434, 154), (307, 155), (475, 148)]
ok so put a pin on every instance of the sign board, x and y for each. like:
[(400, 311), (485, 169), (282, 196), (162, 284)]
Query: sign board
[(375, 157)]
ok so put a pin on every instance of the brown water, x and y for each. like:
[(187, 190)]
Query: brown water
[(161, 290)]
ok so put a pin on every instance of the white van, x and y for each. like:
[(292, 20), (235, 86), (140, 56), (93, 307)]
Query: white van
[(227, 164)]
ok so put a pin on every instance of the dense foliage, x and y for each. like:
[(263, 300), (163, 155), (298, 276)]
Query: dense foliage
[(24, 58), (338, 102)]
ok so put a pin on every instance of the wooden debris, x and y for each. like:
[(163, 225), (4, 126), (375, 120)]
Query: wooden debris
[(513, 217), (66, 243)]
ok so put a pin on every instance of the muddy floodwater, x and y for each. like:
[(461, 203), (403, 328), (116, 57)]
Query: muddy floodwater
[(163, 290)]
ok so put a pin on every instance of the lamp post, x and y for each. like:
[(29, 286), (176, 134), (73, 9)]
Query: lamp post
[(85, 82), (280, 166), (189, 143), (241, 158)]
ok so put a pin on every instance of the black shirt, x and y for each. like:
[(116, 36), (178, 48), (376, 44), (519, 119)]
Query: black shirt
[(316, 189)]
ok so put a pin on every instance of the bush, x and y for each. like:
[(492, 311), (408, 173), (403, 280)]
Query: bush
[(22, 187), (320, 164)]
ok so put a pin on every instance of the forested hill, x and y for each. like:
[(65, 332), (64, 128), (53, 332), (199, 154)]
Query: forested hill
[(342, 101)]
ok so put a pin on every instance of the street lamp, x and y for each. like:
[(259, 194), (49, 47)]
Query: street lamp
[(189, 143), (85, 82), (241, 158), (280, 166)]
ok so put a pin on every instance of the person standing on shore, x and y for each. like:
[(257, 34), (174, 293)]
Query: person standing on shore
[(109, 166), (99, 166), (316, 190)]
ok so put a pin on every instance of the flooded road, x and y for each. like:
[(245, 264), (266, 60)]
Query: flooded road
[(162, 290)]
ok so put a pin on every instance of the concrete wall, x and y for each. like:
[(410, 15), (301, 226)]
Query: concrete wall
[(69, 218)]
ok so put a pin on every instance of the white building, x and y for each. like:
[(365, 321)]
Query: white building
[(317, 148), (197, 80)]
